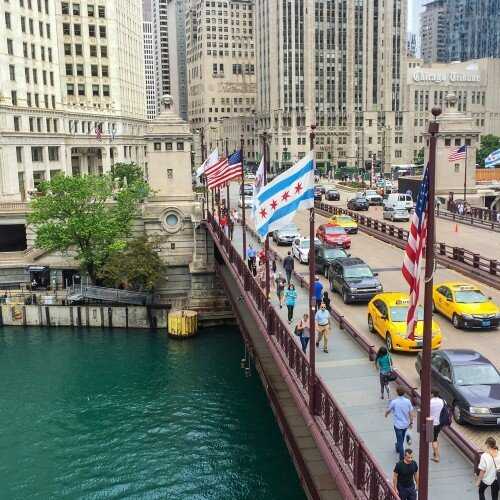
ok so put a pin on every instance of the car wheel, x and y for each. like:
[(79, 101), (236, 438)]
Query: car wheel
[(457, 414), (371, 326), (456, 321), (345, 297), (388, 342)]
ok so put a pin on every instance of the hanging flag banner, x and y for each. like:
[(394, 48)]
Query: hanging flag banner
[(278, 202), (211, 160), (493, 159), (259, 182)]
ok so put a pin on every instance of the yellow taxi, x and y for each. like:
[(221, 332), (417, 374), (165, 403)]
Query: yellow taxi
[(387, 316), (345, 221), (465, 305)]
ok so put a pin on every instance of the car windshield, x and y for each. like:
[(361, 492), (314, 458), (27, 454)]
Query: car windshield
[(334, 230), (470, 297), (344, 219), (334, 253), (358, 272), (399, 313), (476, 375), (289, 229), (305, 244), (371, 193)]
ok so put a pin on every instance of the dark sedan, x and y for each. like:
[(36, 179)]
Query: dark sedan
[(358, 203), (318, 195), (469, 383), (332, 195)]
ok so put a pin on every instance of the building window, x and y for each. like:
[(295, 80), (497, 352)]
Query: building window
[(447, 142), (180, 146), (65, 8), (81, 89), (95, 90), (79, 70), (90, 10), (53, 153), (77, 30), (93, 51), (171, 219), (157, 146), (66, 29), (67, 49), (37, 154), (92, 30), (12, 72), (69, 69), (10, 47), (8, 24), (32, 124), (78, 49), (457, 168), (102, 31), (105, 71), (457, 142), (13, 96), (104, 51), (94, 70), (70, 89), (19, 154), (168, 146), (17, 123), (102, 11), (76, 9), (105, 90)]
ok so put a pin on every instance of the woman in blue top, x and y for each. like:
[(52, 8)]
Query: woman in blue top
[(290, 300), (383, 362)]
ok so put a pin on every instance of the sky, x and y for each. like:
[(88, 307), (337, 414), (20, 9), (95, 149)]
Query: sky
[(414, 7)]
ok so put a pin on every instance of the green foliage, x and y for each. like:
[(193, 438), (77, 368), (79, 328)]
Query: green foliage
[(419, 158), (136, 267), (489, 143), (87, 214), (128, 175)]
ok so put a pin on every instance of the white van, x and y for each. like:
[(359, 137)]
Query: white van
[(399, 200)]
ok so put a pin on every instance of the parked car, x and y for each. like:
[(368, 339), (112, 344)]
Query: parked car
[(300, 249), (325, 256), (332, 195), (396, 213), (469, 383), (372, 197), (354, 280), (358, 203), (333, 235), (387, 317), (465, 305), (318, 195), (286, 235)]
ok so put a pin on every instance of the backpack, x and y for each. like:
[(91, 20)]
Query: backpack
[(445, 415)]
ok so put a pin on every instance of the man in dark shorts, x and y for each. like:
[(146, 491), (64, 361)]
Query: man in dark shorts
[(405, 477)]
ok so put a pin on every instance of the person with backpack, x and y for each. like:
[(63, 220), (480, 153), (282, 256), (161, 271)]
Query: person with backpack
[(489, 470), (383, 362), (441, 417), (280, 288), (326, 301), (290, 300)]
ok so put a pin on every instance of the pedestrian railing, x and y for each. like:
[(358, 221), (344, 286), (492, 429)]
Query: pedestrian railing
[(471, 219), (347, 448), (76, 293), (470, 263)]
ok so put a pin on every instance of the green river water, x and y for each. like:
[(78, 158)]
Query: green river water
[(112, 414)]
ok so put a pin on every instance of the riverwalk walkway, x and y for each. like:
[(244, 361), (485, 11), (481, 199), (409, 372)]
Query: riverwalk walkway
[(354, 382)]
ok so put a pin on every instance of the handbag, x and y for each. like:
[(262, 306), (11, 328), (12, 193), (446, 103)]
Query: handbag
[(298, 331), (391, 376)]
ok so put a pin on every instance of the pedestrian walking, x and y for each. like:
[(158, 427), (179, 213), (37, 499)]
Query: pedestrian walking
[(280, 288), (405, 477), (318, 292), (251, 256), (322, 320), (402, 415), (302, 330), (437, 405), (383, 362), (261, 276), (326, 301), (224, 224), (489, 470), (274, 267), (236, 216), (288, 265), (290, 300)]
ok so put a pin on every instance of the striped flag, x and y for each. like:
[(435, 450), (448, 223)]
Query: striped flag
[(458, 154), (230, 168), (209, 162), (492, 159), (412, 263)]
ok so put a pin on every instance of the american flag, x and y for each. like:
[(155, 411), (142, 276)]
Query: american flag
[(228, 169), (412, 262), (458, 154)]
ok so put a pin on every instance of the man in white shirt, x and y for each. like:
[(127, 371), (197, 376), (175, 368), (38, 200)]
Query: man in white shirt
[(437, 405)]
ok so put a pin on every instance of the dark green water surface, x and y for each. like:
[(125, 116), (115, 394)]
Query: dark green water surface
[(98, 414)]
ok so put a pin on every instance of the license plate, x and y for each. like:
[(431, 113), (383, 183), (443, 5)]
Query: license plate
[(486, 323)]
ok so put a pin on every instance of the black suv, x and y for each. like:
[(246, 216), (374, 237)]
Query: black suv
[(332, 195), (358, 203), (325, 256), (354, 280)]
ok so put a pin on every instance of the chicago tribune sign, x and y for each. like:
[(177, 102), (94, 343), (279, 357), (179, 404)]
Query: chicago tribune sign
[(451, 77)]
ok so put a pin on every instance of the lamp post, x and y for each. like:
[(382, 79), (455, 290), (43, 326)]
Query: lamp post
[(285, 158), (265, 139)]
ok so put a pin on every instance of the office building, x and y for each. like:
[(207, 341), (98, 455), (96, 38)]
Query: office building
[(339, 65), (149, 63), (434, 32), (72, 90)]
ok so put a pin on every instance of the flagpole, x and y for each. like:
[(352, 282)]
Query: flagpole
[(243, 214), (425, 422), (228, 205), (266, 245), (312, 301), (203, 158), (465, 178)]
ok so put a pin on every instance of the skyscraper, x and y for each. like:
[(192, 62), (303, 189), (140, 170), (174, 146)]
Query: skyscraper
[(149, 63), (434, 32), (339, 65)]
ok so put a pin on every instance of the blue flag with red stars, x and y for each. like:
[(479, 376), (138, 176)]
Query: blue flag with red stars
[(278, 202)]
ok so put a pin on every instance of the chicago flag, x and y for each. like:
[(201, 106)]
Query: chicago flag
[(278, 202)]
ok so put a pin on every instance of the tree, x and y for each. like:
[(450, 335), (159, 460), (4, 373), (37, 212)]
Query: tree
[(489, 143), (419, 158), (129, 174), (136, 267), (86, 214)]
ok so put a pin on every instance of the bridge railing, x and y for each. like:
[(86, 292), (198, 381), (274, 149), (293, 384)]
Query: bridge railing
[(476, 217), (349, 450), (467, 261)]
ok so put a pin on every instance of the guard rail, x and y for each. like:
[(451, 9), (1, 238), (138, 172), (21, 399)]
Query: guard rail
[(470, 219), (469, 263), (348, 449)]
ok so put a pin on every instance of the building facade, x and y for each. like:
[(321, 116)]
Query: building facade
[(340, 66), (149, 63), (220, 64), (72, 93), (434, 32), (475, 85), (176, 15)]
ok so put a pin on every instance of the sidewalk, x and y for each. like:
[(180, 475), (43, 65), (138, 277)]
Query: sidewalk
[(354, 382)]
